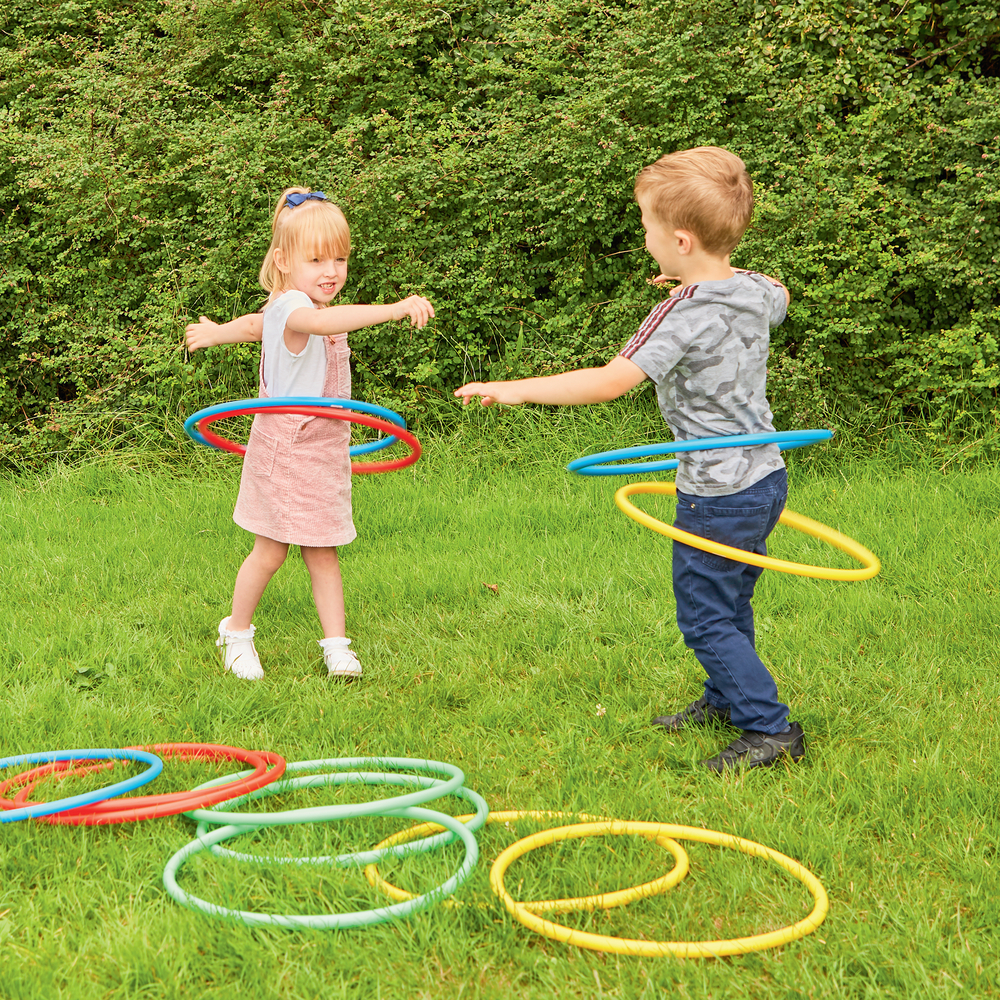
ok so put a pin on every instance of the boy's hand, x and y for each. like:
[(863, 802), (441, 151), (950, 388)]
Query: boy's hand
[(416, 307), (662, 279), (204, 333), (490, 393)]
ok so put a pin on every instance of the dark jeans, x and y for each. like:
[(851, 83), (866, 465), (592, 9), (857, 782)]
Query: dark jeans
[(713, 599)]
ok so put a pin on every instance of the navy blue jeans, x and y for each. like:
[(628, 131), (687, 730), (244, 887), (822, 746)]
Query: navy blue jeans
[(713, 599)]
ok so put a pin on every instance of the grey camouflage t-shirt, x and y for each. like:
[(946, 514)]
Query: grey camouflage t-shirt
[(706, 349)]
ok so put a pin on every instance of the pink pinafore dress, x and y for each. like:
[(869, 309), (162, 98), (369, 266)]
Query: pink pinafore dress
[(296, 480)]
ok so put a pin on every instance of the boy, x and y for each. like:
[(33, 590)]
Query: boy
[(706, 349)]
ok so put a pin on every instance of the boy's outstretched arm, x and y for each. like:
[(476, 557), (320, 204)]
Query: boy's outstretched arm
[(242, 330), (585, 385)]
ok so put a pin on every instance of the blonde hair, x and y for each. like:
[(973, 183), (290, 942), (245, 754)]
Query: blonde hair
[(705, 190), (316, 226)]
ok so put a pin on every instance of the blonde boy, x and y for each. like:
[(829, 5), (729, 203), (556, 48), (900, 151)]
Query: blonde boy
[(705, 348)]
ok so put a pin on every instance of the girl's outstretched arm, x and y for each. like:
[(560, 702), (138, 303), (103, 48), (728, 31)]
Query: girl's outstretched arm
[(345, 319), (585, 385), (242, 330)]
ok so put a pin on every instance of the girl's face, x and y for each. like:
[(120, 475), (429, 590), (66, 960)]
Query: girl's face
[(319, 275)]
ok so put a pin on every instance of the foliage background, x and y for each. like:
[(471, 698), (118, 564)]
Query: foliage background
[(485, 153)]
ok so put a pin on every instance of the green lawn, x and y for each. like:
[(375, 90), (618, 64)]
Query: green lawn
[(117, 573)]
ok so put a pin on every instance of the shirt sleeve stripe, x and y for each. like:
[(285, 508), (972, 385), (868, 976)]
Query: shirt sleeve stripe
[(653, 320)]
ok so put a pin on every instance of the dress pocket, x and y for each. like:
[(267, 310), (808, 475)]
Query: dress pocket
[(261, 452)]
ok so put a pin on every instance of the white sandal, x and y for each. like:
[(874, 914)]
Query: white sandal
[(341, 662), (240, 652)]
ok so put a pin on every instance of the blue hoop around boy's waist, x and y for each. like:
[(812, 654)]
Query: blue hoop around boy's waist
[(191, 424), (592, 465)]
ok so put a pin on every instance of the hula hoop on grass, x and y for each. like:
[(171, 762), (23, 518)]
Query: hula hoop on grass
[(592, 465), (601, 901), (473, 822), (154, 806), (348, 410), (11, 815), (522, 912), (329, 921), (870, 565), (348, 810)]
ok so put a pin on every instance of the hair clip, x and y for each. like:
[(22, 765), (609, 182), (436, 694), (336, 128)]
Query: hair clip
[(294, 200)]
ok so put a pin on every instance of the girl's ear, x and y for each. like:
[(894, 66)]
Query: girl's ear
[(279, 261)]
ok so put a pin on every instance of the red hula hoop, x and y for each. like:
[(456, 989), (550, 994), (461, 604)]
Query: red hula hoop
[(151, 806), (351, 416)]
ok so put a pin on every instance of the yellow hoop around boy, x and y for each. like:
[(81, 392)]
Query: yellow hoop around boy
[(870, 566), (654, 949)]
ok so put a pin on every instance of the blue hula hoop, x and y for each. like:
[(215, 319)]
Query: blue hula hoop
[(191, 424), (86, 798), (594, 465)]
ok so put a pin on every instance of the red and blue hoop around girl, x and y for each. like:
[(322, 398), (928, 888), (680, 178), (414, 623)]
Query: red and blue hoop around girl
[(351, 410)]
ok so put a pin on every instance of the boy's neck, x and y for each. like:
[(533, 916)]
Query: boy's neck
[(699, 266)]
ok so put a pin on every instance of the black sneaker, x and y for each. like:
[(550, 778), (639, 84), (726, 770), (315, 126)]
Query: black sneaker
[(760, 749), (698, 713)]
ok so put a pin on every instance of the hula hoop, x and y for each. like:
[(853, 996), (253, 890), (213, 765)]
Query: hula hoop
[(655, 949), (351, 411), (155, 806), (12, 815), (591, 465), (870, 565), (602, 901), (331, 921), (351, 810), (475, 820)]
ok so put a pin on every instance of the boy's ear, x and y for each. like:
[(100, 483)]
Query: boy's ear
[(686, 241)]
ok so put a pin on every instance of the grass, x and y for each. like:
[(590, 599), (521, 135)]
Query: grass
[(118, 571)]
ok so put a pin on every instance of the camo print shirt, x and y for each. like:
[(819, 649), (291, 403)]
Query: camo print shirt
[(706, 349)]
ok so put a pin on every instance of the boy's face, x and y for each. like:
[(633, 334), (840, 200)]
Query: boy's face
[(662, 241)]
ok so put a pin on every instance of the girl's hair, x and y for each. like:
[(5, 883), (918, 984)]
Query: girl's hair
[(316, 226), (705, 190)]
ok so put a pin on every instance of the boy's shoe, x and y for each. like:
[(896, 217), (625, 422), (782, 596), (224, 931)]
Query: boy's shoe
[(341, 663), (239, 652), (698, 713), (760, 749)]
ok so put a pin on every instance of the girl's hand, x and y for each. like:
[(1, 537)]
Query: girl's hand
[(416, 307), (490, 393), (204, 333), (662, 279)]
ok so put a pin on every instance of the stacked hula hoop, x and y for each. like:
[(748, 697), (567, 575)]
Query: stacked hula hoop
[(606, 464), (385, 421), (268, 777)]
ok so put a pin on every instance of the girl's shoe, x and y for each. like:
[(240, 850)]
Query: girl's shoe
[(340, 661), (240, 653)]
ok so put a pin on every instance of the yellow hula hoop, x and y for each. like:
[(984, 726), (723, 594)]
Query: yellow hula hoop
[(602, 901), (870, 566), (655, 949)]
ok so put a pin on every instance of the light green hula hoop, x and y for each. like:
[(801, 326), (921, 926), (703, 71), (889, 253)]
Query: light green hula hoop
[(328, 921), (360, 857), (351, 810)]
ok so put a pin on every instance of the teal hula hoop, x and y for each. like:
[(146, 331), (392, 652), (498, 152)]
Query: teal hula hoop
[(85, 798), (360, 857), (351, 810), (327, 921), (595, 465)]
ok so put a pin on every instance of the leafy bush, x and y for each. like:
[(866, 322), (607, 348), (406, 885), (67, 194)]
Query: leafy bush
[(484, 155)]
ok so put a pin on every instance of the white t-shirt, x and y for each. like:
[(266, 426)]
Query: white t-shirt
[(287, 374)]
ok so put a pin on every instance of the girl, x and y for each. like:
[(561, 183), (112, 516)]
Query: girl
[(295, 486)]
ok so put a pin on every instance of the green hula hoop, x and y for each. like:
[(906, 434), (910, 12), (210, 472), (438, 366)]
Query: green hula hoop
[(360, 857), (352, 810), (328, 921)]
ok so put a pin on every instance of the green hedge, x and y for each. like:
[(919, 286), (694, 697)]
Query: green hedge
[(484, 154)]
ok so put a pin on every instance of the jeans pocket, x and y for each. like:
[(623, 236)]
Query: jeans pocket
[(739, 527)]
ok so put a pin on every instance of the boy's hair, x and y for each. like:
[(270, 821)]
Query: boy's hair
[(316, 226), (705, 190)]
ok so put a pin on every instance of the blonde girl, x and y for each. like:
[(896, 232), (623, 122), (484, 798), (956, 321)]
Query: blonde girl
[(295, 487)]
